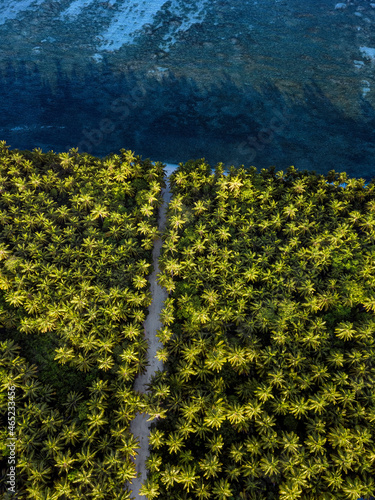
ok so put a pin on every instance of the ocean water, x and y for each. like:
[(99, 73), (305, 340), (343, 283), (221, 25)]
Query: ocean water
[(257, 82)]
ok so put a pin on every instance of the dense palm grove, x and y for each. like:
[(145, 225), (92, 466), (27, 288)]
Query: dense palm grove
[(268, 338), (268, 329), (76, 234)]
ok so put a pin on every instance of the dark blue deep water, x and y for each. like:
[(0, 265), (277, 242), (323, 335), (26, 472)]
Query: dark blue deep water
[(267, 82)]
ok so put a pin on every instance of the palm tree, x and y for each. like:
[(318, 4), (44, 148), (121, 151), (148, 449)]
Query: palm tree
[(62, 489), (233, 472), (185, 428), (203, 490), (290, 490), (15, 298), (253, 409), (138, 315), (166, 315), (334, 480), (263, 392), (64, 462), (299, 406), (147, 210), (318, 403), (290, 442), (316, 442), (188, 476), (131, 331), (270, 466), (236, 415), (162, 354), (180, 178), (177, 222), (129, 445), (88, 343), (9, 349), (112, 459), (32, 389), (84, 363), (85, 477), (201, 428), (71, 433), (174, 442), (156, 438), (161, 390), (52, 421), (99, 212), (40, 472), (34, 492), (150, 488), (354, 488), (200, 206), (106, 343), (9, 380), (210, 465), (86, 456), (154, 462), (52, 445), (369, 303), (170, 475), (64, 354), (72, 401), (222, 489)]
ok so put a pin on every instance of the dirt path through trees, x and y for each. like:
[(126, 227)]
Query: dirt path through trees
[(139, 425)]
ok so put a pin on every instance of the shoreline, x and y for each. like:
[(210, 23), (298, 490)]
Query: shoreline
[(171, 167)]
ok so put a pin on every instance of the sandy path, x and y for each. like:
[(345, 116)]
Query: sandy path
[(139, 425)]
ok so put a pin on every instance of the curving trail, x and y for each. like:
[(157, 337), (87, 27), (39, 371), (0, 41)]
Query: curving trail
[(139, 426)]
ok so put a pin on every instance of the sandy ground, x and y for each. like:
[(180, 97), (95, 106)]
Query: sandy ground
[(139, 426)]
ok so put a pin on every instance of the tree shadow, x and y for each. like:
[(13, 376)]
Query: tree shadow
[(174, 119)]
